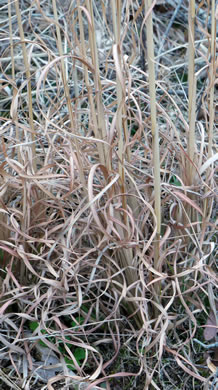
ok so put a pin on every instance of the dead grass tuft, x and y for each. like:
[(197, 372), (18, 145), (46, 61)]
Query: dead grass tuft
[(108, 195)]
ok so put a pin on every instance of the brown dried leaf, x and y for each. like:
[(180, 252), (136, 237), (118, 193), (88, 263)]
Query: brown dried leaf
[(189, 201)]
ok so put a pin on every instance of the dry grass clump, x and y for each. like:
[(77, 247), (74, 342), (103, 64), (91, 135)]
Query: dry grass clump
[(108, 195)]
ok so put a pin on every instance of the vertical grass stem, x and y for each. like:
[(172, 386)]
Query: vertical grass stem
[(154, 127)]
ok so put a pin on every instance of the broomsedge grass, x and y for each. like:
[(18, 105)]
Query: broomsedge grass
[(28, 77), (107, 190), (155, 134)]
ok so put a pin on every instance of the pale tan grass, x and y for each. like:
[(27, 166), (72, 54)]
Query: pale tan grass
[(87, 244), (155, 135), (28, 76)]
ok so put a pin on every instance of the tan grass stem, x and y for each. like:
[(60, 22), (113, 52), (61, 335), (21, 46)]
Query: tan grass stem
[(14, 115), (73, 123), (24, 222), (116, 13), (212, 74), (93, 112), (97, 81), (29, 89), (191, 90), (154, 126), (125, 256)]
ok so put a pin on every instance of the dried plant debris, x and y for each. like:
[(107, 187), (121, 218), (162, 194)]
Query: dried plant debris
[(108, 184)]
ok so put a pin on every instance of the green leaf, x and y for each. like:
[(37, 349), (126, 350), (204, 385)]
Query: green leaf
[(33, 325), (70, 364), (174, 181), (79, 320), (79, 354), (43, 344)]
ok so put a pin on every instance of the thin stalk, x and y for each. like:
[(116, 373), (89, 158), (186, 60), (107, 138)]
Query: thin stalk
[(120, 86), (14, 118), (191, 51), (212, 73), (29, 89), (191, 138), (116, 13), (76, 83), (191, 89), (154, 129), (5, 233), (212, 78), (67, 93), (98, 86), (121, 122), (191, 173), (96, 129), (24, 222), (125, 256)]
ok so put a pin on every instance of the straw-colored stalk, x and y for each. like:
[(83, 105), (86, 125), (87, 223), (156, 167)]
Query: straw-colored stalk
[(191, 90), (154, 129), (121, 117), (24, 223), (190, 170), (125, 256), (116, 13), (29, 89), (212, 73), (5, 233), (67, 94), (14, 115), (98, 86), (212, 78), (93, 111)]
